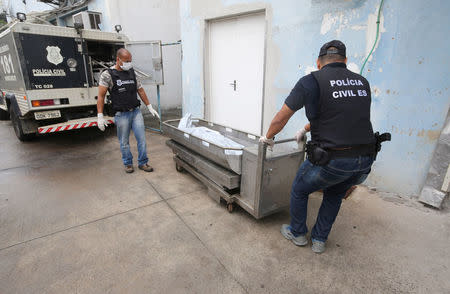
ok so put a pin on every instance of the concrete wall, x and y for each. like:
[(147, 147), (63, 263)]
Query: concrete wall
[(408, 71), (141, 20)]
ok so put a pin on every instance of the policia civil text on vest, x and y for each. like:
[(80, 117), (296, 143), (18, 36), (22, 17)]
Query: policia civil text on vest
[(124, 90), (343, 145), (342, 127)]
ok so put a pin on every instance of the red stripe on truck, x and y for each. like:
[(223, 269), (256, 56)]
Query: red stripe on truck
[(70, 127)]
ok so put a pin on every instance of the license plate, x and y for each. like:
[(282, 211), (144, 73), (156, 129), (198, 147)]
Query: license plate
[(47, 114)]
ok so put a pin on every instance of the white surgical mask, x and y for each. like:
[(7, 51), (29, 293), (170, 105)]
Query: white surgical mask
[(126, 65)]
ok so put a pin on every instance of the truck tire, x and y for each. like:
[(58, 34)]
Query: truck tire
[(17, 124), (4, 115)]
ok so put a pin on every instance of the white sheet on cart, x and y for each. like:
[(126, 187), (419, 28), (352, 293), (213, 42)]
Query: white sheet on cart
[(209, 135)]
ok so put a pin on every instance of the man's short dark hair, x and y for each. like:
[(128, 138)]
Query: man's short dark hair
[(331, 57)]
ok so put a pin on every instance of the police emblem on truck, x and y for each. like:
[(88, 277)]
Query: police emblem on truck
[(54, 55)]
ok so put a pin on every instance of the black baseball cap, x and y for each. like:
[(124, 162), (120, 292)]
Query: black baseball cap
[(335, 43)]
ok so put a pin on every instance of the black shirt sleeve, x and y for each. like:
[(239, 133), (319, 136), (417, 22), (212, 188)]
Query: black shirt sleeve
[(302, 92)]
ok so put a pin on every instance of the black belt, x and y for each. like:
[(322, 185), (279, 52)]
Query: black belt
[(353, 151), (321, 156), (125, 109)]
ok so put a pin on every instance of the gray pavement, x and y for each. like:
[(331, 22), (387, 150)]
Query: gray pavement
[(71, 221)]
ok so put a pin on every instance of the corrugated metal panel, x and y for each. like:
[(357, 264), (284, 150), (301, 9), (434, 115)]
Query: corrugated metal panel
[(23, 104)]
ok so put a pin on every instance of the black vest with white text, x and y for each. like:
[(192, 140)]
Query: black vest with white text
[(124, 90), (344, 108)]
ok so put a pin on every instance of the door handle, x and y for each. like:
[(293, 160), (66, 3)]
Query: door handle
[(234, 85)]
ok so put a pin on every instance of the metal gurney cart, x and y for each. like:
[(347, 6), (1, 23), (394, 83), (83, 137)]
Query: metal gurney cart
[(252, 177)]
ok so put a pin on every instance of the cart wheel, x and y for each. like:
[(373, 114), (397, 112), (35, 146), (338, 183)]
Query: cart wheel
[(230, 207), (179, 168)]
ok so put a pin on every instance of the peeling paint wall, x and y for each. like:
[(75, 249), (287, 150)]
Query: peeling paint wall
[(408, 71)]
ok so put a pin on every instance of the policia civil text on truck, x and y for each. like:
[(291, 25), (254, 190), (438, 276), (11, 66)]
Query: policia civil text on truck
[(343, 145)]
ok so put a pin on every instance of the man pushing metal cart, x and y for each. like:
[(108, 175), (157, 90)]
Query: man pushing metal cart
[(248, 175)]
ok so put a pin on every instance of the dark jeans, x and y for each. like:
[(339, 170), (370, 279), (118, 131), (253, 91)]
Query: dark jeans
[(334, 179)]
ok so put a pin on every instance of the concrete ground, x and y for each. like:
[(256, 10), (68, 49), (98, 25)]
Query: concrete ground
[(71, 221)]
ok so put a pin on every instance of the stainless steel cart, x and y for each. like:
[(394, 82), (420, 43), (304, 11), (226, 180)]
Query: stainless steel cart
[(256, 179)]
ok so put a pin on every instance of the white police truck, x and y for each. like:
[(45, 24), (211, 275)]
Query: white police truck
[(49, 75)]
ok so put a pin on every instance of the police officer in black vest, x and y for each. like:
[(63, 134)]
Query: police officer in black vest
[(342, 147), (120, 80)]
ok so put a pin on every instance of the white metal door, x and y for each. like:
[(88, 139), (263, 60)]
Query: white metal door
[(236, 68)]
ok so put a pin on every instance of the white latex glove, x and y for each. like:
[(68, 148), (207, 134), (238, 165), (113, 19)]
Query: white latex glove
[(269, 142), (101, 122), (152, 111), (300, 135)]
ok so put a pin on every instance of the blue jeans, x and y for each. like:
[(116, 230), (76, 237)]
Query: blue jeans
[(125, 122), (334, 179)]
